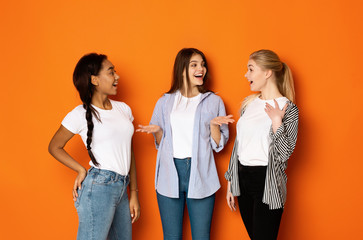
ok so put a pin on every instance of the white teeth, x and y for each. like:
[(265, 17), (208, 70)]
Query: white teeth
[(198, 75)]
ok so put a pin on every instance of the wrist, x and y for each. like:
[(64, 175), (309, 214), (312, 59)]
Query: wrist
[(134, 192), (276, 121), (82, 170)]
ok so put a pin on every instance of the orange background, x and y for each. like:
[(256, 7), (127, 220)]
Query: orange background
[(41, 42)]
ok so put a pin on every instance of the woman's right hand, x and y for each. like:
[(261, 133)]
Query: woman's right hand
[(148, 128), (78, 183), (230, 201), (230, 198)]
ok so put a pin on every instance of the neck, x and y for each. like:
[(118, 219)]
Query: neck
[(101, 101), (189, 94), (270, 92)]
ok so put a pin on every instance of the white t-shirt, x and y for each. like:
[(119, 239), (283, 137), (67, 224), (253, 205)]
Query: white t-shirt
[(182, 124), (253, 132), (111, 138)]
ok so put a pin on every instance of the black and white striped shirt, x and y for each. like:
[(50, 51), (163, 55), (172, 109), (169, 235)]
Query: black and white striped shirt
[(282, 145)]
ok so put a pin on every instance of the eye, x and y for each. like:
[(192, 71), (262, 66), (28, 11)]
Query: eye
[(193, 65)]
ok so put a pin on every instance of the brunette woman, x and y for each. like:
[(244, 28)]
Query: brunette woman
[(188, 122), (106, 128)]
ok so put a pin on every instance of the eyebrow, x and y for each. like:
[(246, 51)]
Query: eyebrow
[(111, 68), (249, 65), (195, 61)]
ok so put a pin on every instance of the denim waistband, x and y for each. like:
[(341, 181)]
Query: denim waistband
[(183, 159), (115, 176)]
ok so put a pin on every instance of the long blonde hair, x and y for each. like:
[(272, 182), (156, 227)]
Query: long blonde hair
[(269, 60)]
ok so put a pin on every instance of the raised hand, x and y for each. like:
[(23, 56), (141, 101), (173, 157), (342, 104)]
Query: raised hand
[(148, 129), (222, 120), (275, 114)]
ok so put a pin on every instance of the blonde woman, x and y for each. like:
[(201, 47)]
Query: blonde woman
[(266, 137)]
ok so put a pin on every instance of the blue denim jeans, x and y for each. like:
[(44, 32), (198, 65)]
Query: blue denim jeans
[(103, 206), (172, 209)]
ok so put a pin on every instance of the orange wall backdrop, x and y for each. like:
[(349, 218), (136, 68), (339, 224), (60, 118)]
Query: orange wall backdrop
[(41, 41)]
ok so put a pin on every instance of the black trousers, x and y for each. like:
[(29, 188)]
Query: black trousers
[(260, 222)]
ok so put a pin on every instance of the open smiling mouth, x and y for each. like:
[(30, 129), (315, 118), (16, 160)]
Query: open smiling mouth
[(198, 75)]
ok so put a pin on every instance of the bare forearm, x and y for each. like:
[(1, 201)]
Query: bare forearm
[(158, 135), (215, 133), (133, 178), (62, 156)]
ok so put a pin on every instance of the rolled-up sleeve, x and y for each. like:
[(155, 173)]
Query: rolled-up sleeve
[(157, 118), (223, 129)]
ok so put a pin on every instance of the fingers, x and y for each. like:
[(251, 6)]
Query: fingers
[(222, 120), (132, 215), (142, 128), (268, 107), (74, 191), (74, 194), (230, 201), (135, 214), (276, 104), (233, 204), (148, 128), (285, 107)]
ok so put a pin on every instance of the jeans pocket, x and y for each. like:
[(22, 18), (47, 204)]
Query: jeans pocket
[(102, 178)]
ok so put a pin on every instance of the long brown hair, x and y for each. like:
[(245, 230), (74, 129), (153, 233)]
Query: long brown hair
[(89, 65), (181, 64)]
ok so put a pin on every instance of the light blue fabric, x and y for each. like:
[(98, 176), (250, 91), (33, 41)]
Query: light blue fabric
[(103, 207), (203, 176)]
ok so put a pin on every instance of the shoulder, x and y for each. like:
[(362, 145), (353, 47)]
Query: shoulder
[(119, 104), (79, 110), (75, 119), (165, 98), (292, 112), (212, 97), (121, 107), (292, 107)]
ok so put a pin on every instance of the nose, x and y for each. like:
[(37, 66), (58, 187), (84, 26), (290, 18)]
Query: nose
[(117, 77)]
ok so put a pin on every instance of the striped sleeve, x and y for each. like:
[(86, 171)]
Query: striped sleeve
[(232, 174), (281, 147), (286, 135)]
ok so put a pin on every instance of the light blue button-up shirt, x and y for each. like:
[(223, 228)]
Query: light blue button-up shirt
[(203, 180)]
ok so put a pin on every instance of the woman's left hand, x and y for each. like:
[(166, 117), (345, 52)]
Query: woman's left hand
[(134, 206), (222, 120), (275, 114)]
